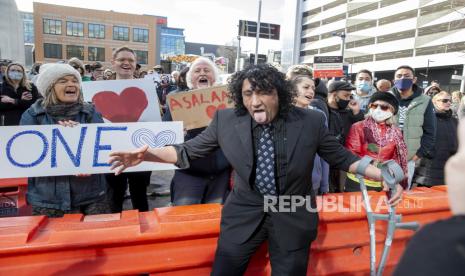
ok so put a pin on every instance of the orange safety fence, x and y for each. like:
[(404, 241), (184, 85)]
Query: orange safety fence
[(182, 240)]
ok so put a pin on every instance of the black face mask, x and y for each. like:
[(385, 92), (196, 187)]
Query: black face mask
[(342, 104)]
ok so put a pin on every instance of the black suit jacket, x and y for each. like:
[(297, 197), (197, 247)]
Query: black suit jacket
[(306, 135)]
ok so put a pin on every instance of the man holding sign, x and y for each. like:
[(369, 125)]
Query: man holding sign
[(124, 65), (54, 196), (263, 124)]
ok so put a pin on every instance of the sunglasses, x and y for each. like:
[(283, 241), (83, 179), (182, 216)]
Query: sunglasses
[(382, 106), (445, 100)]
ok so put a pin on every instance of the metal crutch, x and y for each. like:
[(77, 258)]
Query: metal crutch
[(392, 174)]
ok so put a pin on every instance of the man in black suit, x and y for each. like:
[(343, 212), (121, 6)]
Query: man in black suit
[(263, 124)]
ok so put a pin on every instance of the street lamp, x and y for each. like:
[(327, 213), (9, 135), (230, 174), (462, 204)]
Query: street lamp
[(342, 35), (427, 69), (257, 38), (238, 58)]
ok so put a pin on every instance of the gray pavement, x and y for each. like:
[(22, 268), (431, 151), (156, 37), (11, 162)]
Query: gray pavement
[(158, 190)]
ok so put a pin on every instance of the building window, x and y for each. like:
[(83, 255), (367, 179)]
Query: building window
[(361, 59), (433, 29), (96, 30), (395, 55), (75, 51), (74, 28), (360, 43), (334, 18), (96, 54), (53, 50), (309, 52), (361, 26), (330, 49), (363, 9), (142, 57), (398, 17), (334, 4), (52, 26), (140, 35), (121, 33), (439, 49), (385, 3), (396, 36)]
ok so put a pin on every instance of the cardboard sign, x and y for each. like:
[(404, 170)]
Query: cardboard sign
[(124, 101), (327, 67), (196, 108), (50, 150)]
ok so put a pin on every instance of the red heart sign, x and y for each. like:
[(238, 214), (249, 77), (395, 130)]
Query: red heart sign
[(211, 109), (123, 108)]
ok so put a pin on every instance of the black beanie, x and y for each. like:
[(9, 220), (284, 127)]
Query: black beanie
[(385, 97)]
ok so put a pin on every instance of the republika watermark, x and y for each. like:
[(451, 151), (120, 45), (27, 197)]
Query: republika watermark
[(330, 203)]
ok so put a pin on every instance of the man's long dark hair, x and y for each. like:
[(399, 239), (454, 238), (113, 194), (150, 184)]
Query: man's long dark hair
[(262, 77)]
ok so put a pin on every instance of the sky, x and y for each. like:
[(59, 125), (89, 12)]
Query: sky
[(204, 21)]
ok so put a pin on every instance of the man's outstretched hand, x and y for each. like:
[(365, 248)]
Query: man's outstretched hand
[(120, 160)]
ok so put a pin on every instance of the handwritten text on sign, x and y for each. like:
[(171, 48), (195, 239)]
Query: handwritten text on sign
[(196, 108), (50, 150)]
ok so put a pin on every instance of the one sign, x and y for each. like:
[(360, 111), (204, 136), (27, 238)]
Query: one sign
[(50, 150), (196, 108), (327, 67), (267, 30), (124, 101)]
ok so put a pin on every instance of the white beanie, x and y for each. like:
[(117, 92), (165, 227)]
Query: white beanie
[(50, 73)]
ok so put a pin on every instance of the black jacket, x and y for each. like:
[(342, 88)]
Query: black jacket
[(431, 171), (11, 113), (306, 135), (436, 249)]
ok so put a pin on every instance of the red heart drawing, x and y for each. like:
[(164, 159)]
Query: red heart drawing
[(123, 108), (211, 109)]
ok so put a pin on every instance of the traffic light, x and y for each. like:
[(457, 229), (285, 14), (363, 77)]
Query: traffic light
[(261, 59)]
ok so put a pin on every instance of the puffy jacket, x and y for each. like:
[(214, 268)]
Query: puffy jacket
[(11, 112), (361, 143), (431, 171), (63, 192)]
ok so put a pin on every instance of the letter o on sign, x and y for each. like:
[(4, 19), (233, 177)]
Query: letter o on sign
[(42, 155)]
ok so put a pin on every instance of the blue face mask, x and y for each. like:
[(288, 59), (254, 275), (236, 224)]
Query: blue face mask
[(403, 84), (364, 86), (15, 75)]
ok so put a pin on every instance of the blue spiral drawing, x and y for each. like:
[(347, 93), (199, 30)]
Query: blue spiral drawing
[(143, 136)]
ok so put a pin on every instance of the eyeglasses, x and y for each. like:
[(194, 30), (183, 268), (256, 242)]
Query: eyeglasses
[(445, 100), (382, 106)]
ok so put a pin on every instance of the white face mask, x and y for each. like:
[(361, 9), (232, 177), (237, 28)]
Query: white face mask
[(380, 116)]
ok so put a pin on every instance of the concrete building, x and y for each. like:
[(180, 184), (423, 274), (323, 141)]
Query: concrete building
[(91, 35), (11, 31), (380, 35), (28, 29)]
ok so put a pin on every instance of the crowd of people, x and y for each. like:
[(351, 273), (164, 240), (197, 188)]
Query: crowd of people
[(287, 134), (383, 119)]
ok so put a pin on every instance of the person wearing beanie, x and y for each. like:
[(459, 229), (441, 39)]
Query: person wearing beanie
[(345, 111), (63, 103), (377, 137)]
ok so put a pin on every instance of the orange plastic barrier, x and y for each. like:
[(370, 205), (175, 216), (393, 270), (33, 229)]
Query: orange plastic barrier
[(182, 240), (13, 197)]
